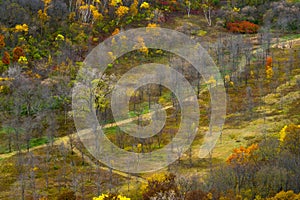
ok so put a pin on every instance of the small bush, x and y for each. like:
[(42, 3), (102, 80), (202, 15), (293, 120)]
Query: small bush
[(66, 195), (242, 27)]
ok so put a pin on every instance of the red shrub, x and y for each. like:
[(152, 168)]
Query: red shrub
[(17, 53), (172, 5), (269, 61), (2, 43), (6, 58), (242, 27)]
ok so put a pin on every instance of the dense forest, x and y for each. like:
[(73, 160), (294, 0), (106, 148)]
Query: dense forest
[(45, 46)]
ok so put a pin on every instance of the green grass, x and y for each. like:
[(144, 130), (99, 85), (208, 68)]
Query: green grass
[(111, 130), (38, 141), (293, 36), (145, 109)]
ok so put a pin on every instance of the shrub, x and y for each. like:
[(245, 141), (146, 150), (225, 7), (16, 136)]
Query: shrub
[(111, 196), (197, 194), (2, 42), (67, 195), (289, 195), (242, 27), (6, 58), (161, 186), (17, 53)]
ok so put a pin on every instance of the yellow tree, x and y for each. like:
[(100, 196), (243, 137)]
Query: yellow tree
[(207, 8), (42, 14), (290, 138), (89, 12), (134, 7), (288, 195), (269, 68), (122, 11)]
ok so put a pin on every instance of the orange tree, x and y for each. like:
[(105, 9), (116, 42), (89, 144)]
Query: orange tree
[(269, 68), (6, 58), (2, 42), (244, 162)]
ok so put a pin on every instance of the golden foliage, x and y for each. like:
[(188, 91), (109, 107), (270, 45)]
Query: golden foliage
[(114, 3), (59, 37), (93, 9), (212, 81), (121, 11), (145, 5), (96, 15), (282, 133), (72, 16), (47, 2), (134, 8), (43, 16), (111, 196), (141, 46), (6, 79), (23, 60), (152, 25), (227, 78), (21, 28), (269, 72), (288, 195), (289, 137), (235, 9), (252, 74), (115, 32), (269, 69)]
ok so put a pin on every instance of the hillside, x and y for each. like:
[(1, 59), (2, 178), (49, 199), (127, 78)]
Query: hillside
[(69, 69)]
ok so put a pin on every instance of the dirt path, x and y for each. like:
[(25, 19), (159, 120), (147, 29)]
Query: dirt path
[(65, 141)]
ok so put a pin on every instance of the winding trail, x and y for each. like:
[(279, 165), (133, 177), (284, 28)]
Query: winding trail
[(65, 140)]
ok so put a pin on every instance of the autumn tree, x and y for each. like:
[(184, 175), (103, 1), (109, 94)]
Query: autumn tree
[(207, 8), (6, 58), (17, 53), (43, 15), (288, 195), (2, 42), (290, 138), (269, 68), (89, 12), (103, 88), (242, 160)]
